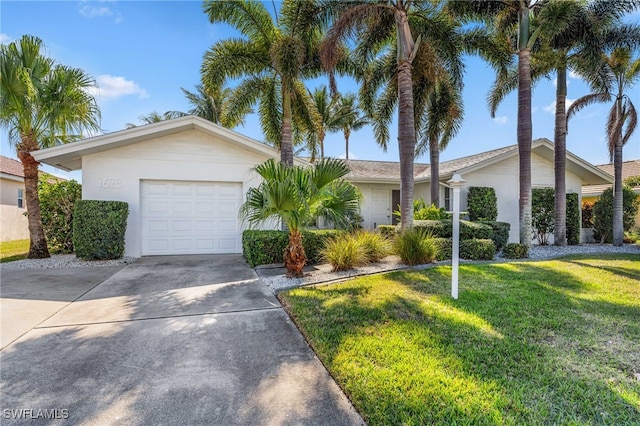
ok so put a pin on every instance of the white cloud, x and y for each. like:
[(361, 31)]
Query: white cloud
[(4, 38), (112, 87), (351, 156), (91, 10), (551, 108), (501, 120)]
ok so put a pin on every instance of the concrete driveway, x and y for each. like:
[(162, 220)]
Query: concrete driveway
[(167, 340)]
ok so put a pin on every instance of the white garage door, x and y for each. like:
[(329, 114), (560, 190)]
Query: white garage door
[(190, 217)]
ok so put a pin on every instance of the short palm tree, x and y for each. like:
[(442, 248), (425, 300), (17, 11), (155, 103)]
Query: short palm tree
[(297, 195), (42, 104), (331, 117), (352, 118), (619, 73), (272, 59)]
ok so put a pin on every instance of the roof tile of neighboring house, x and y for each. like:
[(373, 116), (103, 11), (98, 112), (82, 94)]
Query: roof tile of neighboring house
[(10, 166), (629, 168)]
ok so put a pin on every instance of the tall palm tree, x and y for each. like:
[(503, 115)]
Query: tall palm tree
[(331, 117), (211, 104), (403, 26), (444, 116), (296, 196), (352, 118), (273, 58), (619, 73), (511, 24), (42, 104)]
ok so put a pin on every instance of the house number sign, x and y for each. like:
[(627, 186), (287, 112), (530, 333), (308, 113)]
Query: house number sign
[(110, 183)]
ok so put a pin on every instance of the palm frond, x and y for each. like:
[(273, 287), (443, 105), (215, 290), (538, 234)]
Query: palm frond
[(251, 18)]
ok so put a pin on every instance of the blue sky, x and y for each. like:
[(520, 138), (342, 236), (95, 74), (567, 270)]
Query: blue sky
[(142, 52)]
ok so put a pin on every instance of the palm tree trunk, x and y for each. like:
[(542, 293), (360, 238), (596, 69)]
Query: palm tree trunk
[(618, 227), (286, 144), (38, 243), (406, 143), (434, 166), (560, 155), (524, 143), (294, 255), (346, 144)]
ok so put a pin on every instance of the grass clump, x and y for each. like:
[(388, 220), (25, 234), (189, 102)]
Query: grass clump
[(376, 246), (344, 253), (415, 247)]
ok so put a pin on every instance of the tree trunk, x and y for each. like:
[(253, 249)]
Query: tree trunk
[(346, 144), (560, 155), (524, 143), (321, 141), (618, 226), (286, 144), (434, 167), (294, 255), (38, 243)]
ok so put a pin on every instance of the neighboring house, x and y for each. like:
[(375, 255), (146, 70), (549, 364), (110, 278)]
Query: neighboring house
[(185, 179), (13, 206), (591, 193)]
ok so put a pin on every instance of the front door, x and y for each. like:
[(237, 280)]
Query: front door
[(380, 207)]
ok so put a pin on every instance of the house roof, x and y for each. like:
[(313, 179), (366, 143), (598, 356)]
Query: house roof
[(9, 166), (629, 168), (69, 157), (383, 171)]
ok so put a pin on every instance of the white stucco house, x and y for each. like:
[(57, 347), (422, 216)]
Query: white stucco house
[(185, 179), (13, 205)]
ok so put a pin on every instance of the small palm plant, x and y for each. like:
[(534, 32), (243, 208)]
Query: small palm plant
[(296, 196)]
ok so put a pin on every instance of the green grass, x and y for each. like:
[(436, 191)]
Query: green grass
[(548, 342), (13, 250)]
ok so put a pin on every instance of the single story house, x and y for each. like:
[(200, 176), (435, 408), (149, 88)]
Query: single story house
[(591, 193), (185, 179), (13, 206)]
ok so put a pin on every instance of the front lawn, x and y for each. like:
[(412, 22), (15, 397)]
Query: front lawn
[(13, 250), (548, 342)]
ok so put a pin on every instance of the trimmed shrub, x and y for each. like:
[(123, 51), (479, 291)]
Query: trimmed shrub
[(376, 246), (57, 201), (267, 247), (587, 214), (482, 204), (573, 219), (344, 253), (99, 228), (435, 228), (500, 233), (474, 230), (444, 229), (445, 247), (542, 213), (477, 249), (515, 251), (603, 213), (415, 247), (387, 230)]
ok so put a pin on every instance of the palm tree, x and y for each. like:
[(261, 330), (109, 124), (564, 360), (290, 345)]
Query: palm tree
[(352, 118), (296, 196), (211, 104), (331, 117), (272, 60), (380, 25), (619, 73), (444, 116), (155, 117), (42, 104)]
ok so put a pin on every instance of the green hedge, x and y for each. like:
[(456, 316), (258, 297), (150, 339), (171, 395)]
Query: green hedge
[(474, 249), (99, 228), (515, 251), (500, 233), (57, 201), (444, 229), (482, 204), (267, 247), (387, 230), (573, 219)]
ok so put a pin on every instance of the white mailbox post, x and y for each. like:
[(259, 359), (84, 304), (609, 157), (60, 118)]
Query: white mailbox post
[(455, 182)]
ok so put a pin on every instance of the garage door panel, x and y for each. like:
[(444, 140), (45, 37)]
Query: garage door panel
[(190, 217)]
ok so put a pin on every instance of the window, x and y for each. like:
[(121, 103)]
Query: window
[(20, 198), (447, 198)]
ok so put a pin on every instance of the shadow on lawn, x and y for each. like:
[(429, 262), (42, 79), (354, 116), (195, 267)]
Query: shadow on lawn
[(522, 334)]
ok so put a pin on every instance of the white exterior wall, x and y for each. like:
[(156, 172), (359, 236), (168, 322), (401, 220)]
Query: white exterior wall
[(372, 218), (187, 156), (13, 223), (503, 177)]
